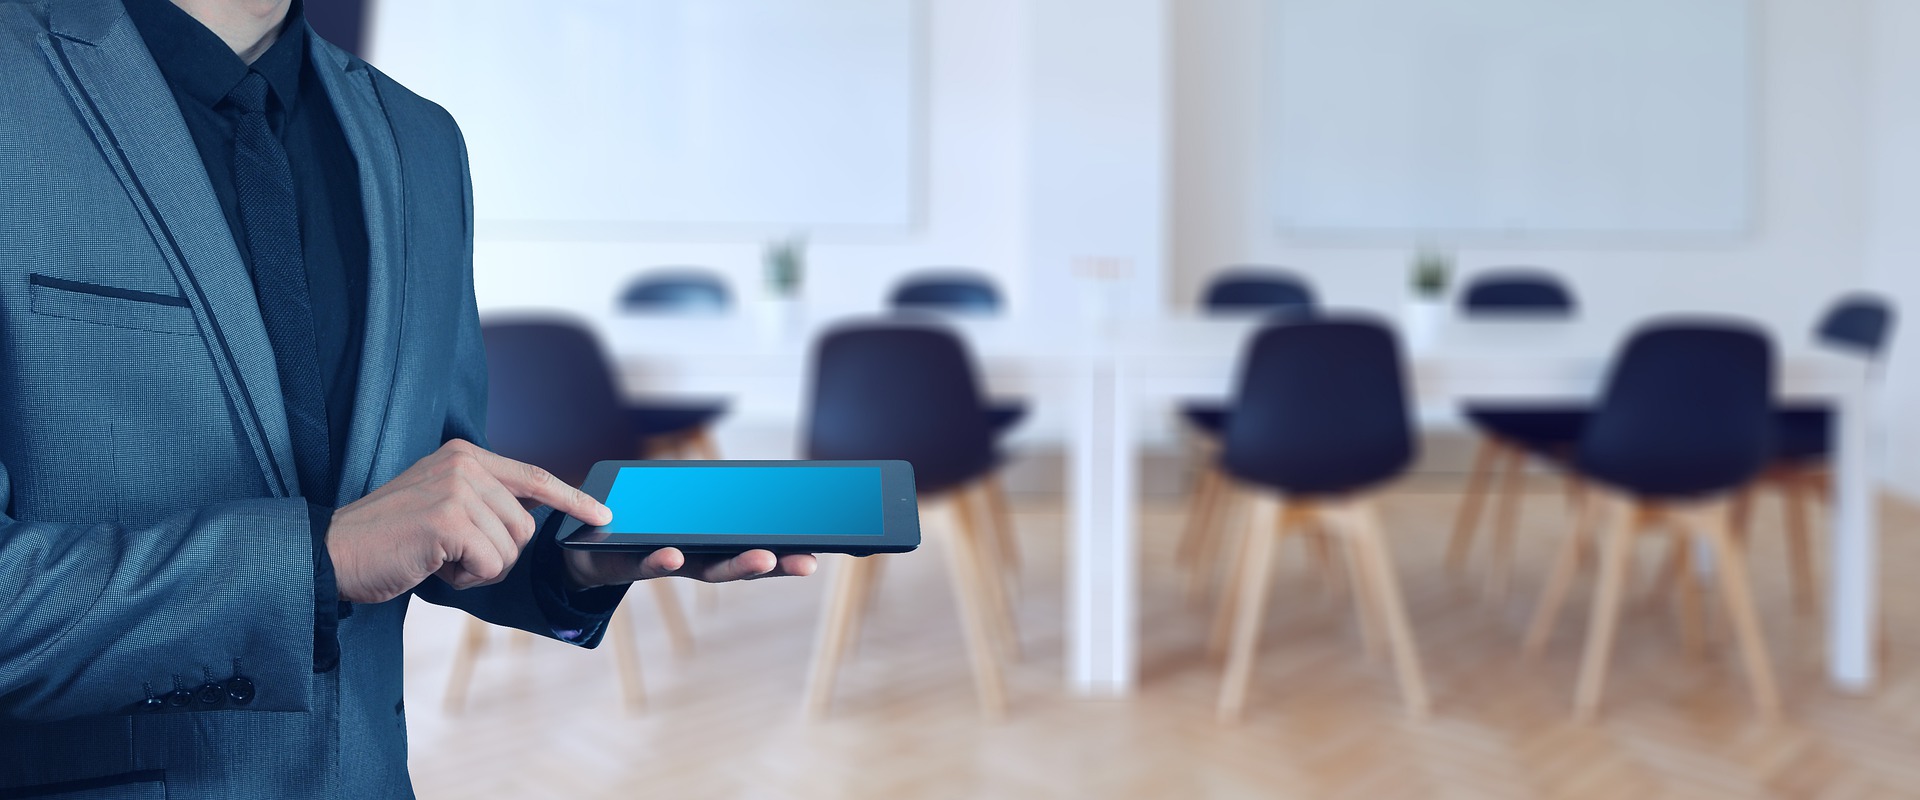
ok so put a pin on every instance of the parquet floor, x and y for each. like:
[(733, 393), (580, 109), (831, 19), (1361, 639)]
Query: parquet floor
[(1323, 722)]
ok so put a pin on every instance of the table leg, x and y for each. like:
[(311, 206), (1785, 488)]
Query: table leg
[(1102, 619), (1853, 584)]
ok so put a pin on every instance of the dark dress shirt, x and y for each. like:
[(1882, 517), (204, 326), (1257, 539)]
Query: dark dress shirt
[(201, 69)]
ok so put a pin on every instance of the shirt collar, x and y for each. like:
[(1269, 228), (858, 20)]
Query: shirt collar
[(195, 59)]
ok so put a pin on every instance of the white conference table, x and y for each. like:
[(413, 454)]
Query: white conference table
[(1108, 378)]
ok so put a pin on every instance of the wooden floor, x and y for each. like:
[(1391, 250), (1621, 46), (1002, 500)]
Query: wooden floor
[(546, 721)]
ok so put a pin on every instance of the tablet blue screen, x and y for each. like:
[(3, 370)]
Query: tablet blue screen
[(772, 501)]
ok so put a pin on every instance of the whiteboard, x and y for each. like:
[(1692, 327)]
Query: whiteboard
[(729, 113), (1520, 117)]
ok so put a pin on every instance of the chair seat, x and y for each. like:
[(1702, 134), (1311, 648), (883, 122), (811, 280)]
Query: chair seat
[(1208, 417), (1803, 434), (1003, 415), (1538, 428), (669, 418)]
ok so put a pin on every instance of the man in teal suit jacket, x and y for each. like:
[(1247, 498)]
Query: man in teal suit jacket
[(163, 595)]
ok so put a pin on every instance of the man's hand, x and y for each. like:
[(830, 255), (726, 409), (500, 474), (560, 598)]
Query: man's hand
[(588, 569), (457, 513)]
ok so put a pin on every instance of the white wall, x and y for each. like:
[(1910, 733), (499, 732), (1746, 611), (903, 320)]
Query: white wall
[(974, 182), (1806, 245), (1893, 241)]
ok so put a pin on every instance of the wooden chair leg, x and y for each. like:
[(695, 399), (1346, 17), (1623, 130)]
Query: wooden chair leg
[(1200, 541), (836, 618), (866, 584), (1616, 551), (1692, 617), (1500, 578), (1239, 542), (1323, 568), (1384, 584), (1737, 592), (1565, 565), (1467, 523), (626, 653), (1799, 547), (473, 642), (1363, 599), (667, 596), (973, 589), (1249, 606), (985, 545), (995, 492), (700, 442)]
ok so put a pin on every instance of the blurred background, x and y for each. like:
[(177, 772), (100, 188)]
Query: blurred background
[(1097, 205)]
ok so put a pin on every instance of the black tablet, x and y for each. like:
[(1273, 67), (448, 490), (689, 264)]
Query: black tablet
[(857, 507)]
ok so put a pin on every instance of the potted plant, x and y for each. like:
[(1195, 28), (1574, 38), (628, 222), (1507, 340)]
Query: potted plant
[(785, 263), (1432, 273)]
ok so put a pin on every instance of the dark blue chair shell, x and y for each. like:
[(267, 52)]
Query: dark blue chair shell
[(949, 292), (964, 294), (677, 290), (1858, 323), (1687, 411), (900, 391), (1321, 408), (1517, 291), (1521, 292), (1239, 291), (1252, 289), (550, 399)]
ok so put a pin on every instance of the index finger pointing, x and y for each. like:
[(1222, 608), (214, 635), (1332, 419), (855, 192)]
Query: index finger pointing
[(529, 482)]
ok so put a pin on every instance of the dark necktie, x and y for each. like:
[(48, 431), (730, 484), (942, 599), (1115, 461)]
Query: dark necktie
[(264, 187)]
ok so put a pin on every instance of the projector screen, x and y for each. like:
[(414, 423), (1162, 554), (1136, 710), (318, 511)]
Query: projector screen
[(756, 114), (1519, 117)]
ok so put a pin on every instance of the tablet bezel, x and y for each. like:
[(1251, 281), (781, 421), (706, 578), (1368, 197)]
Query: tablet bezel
[(900, 515)]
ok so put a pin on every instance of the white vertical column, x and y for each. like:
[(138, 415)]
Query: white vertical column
[(1853, 604), (1097, 230)]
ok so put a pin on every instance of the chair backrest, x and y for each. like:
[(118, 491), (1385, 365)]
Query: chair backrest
[(950, 292), (550, 399), (1687, 410), (892, 390), (1517, 292), (1859, 322), (1321, 407), (1257, 290), (677, 290)]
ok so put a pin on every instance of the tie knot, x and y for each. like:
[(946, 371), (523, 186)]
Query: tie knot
[(251, 94)]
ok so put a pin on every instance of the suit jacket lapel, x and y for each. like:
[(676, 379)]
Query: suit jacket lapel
[(356, 100), (137, 124)]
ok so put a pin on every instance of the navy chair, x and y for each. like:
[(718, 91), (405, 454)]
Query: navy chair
[(1246, 291), (1510, 432), (1684, 425), (678, 290), (1803, 435), (949, 291), (1234, 292), (1257, 290), (678, 429), (900, 390), (552, 403), (1320, 418), (960, 293)]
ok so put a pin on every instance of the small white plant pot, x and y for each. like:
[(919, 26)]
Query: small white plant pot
[(1421, 321), (781, 318)]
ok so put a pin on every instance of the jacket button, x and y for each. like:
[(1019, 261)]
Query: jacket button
[(179, 698), (240, 691), (152, 704), (212, 693)]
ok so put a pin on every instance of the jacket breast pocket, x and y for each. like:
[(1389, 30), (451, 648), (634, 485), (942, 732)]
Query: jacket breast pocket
[(111, 305)]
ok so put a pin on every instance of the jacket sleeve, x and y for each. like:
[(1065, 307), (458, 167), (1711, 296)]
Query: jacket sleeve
[(95, 618), (533, 597)]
